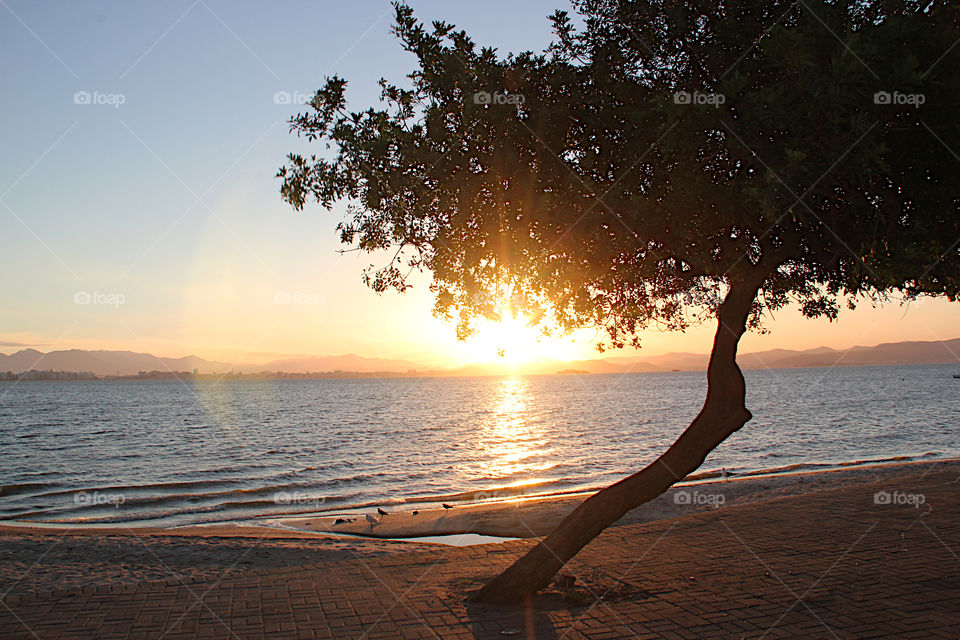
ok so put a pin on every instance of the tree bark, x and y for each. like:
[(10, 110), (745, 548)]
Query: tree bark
[(723, 413)]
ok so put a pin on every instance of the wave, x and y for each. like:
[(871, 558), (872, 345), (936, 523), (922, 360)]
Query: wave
[(163, 490), (24, 487), (810, 466)]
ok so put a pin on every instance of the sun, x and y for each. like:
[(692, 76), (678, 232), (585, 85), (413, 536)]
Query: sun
[(512, 341)]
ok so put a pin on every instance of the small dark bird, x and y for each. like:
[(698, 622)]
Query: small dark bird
[(381, 511), (446, 506), (415, 512)]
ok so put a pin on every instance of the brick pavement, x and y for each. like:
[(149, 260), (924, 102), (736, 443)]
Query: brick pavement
[(832, 564)]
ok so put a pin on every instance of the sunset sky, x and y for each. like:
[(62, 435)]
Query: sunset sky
[(158, 201)]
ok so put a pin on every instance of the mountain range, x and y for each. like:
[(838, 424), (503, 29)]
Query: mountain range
[(106, 363), (125, 363)]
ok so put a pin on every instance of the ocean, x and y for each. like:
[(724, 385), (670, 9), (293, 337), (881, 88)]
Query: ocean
[(170, 453)]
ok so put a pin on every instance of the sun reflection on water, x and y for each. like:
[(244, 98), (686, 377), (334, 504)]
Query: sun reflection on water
[(514, 443)]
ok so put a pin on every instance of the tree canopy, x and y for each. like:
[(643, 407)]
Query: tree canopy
[(662, 162), (623, 176)]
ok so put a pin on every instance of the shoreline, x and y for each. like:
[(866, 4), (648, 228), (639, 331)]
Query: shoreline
[(510, 517), (296, 504), (538, 516)]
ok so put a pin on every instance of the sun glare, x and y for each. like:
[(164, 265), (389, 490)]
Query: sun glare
[(514, 443), (513, 342)]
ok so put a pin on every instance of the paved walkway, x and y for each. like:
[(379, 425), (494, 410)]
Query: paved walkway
[(834, 564)]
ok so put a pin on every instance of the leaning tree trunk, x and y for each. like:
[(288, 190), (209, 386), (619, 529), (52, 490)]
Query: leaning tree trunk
[(723, 413)]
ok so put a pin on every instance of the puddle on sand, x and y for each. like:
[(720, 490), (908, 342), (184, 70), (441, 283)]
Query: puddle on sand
[(452, 539), (456, 539)]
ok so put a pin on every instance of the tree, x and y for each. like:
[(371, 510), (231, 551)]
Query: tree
[(660, 165)]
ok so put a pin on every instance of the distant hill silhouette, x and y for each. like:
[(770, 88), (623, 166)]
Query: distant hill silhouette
[(891, 353), (105, 363), (348, 362)]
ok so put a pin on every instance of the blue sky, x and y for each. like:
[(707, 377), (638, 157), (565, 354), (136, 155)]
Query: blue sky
[(167, 202), (174, 186)]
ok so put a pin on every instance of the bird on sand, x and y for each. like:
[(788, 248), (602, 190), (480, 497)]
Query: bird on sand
[(416, 512), (373, 520), (381, 511), (446, 506)]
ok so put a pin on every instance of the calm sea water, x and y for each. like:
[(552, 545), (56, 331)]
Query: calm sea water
[(170, 453)]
